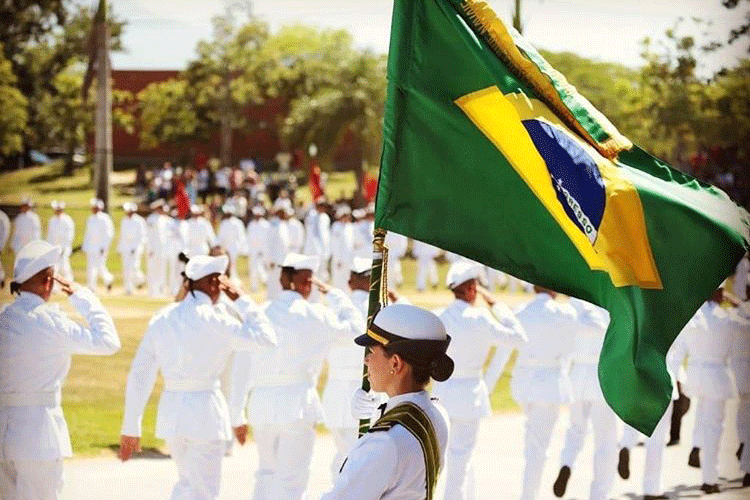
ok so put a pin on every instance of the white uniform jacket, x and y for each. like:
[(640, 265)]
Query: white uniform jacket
[(157, 234), (257, 238), (741, 358), (473, 330), (36, 342), (232, 236), (191, 342), (342, 244), (389, 465), (587, 346), (541, 372), (132, 235), (99, 233), (284, 377), (279, 241), (200, 236), (296, 235), (708, 337), (318, 234), (4, 229), (61, 231), (27, 227)]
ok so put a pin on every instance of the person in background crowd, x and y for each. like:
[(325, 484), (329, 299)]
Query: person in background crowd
[(176, 243), (258, 230), (741, 368), (200, 233), (473, 331), (296, 232), (96, 241), (342, 246), (61, 232), (36, 335), (741, 279), (26, 226), (132, 240), (318, 234), (157, 239), (426, 266), (397, 245), (278, 244), (190, 343), (232, 238)]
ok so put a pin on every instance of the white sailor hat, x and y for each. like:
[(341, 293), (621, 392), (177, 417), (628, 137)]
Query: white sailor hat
[(461, 272), (416, 334), (228, 208), (129, 206), (26, 200), (284, 204), (57, 205), (96, 203), (35, 256), (196, 209), (361, 265), (299, 262), (359, 213), (258, 210), (203, 265), (158, 203), (342, 210)]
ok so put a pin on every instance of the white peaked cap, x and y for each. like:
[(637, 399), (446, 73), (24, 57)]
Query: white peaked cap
[(342, 210), (35, 256), (410, 322), (158, 203), (129, 206), (258, 210), (361, 265), (298, 261), (203, 265), (96, 202), (196, 209), (358, 213), (282, 204), (57, 205), (228, 208), (461, 272)]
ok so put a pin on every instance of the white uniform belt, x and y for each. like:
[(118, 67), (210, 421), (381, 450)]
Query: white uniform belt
[(466, 374), (174, 385), (281, 380), (586, 360), (539, 363), (49, 399)]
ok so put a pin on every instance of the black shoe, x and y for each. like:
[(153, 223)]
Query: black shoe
[(739, 451), (709, 488), (746, 480), (694, 460), (655, 497), (673, 442), (623, 464), (2, 283), (561, 483), (109, 287)]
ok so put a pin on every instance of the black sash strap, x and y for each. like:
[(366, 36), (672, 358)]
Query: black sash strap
[(414, 419)]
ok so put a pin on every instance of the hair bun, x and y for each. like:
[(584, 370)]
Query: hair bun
[(441, 368)]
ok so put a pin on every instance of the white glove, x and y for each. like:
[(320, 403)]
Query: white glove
[(364, 404)]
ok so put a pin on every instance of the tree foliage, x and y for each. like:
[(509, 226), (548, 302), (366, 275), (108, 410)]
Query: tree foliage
[(13, 114)]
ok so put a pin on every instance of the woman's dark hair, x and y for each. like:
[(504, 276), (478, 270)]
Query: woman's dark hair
[(14, 287), (420, 374)]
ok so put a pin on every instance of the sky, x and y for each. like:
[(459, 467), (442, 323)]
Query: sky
[(162, 34)]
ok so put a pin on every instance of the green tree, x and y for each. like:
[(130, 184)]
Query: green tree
[(166, 114), (13, 114)]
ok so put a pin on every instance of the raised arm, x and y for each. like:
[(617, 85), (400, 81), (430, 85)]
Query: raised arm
[(100, 338)]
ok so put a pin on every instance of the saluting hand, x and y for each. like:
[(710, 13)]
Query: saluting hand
[(68, 287), (128, 446), (226, 286), (323, 287), (486, 295)]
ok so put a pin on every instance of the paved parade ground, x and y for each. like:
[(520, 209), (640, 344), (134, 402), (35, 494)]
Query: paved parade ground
[(499, 459)]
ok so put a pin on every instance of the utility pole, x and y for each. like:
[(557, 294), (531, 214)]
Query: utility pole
[(103, 122), (517, 17)]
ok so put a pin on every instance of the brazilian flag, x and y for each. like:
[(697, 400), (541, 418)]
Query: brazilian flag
[(490, 153)]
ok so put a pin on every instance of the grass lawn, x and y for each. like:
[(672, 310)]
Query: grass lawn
[(93, 393)]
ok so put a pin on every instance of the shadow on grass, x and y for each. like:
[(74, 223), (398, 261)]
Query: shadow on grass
[(53, 175), (148, 452)]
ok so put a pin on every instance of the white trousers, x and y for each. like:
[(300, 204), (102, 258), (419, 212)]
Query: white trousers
[(654, 451), (604, 423), (340, 274), (284, 456), (31, 479), (257, 271), (395, 272), (96, 265), (743, 419), (198, 468), (426, 268), (744, 437), (273, 289), (156, 269), (344, 439), (540, 422), (129, 271), (459, 463), (709, 425)]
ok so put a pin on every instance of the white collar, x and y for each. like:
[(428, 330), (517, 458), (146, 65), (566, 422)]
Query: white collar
[(30, 300), (409, 396), (199, 298)]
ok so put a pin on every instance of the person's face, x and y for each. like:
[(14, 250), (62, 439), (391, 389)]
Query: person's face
[(209, 285), (302, 282), (379, 369), (466, 291)]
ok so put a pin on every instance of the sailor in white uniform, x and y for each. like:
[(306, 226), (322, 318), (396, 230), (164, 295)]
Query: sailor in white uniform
[(284, 405), (589, 405), (96, 241), (38, 336), (402, 454), (200, 233), (61, 232), (426, 265), (232, 238), (257, 247), (741, 369), (473, 331), (130, 247), (318, 235), (540, 382), (26, 226), (342, 246), (397, 245), (157, 239), (190, 342), (4, 236), (279, 244)]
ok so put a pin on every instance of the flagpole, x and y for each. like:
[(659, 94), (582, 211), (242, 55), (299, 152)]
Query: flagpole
[(378, 298)]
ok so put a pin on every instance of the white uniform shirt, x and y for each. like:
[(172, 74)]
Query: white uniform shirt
[(473, 330), (284, 377), (587, 346), (318, 234), (279, 241), (132, 234), (61, 232), (363, 236), (191, 342), (177, 236), (541, 371), (708, 337), (257, 238), (741, 357), (99, 233), (157, 234), (4, 229), (424, 251), (389, 465), (296, 235), (200, 236), (36, 342), (397, 244), (342, 243), (232, 236), (27, 227)]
